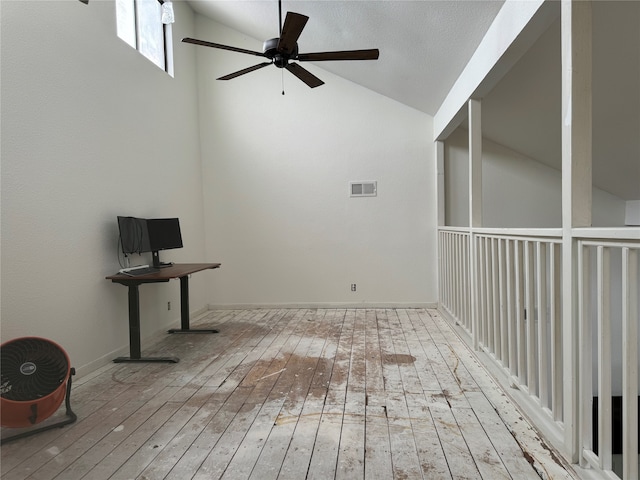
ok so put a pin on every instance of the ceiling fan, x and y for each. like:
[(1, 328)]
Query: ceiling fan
[(281, 51)]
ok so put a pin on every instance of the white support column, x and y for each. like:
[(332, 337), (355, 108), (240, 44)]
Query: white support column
[(475, 205), (576, 192), (439, 147), (440, 199), (475, 163)]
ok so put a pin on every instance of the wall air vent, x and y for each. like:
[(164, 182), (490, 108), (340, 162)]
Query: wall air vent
[(363, 189)]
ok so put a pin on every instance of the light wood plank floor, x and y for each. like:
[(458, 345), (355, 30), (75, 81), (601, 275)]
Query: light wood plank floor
[(292, 394)]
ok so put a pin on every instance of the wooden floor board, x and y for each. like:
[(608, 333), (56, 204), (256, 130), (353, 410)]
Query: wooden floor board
[(290, 394), (377, 461)]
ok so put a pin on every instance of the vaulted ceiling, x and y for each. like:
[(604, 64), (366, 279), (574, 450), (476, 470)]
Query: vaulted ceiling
[(425, 44)]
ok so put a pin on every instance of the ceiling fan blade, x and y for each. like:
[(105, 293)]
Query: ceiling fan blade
[(304, 75), (291, 30), (245, 70), (223, 47), (371, 54)]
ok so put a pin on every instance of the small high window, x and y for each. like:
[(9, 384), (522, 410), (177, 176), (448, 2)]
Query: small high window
[(146, 26)]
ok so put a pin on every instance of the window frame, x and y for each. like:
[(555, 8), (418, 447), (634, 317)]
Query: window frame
[(130, 28)]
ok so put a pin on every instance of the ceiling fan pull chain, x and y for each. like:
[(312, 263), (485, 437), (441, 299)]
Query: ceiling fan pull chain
[(282, 79)]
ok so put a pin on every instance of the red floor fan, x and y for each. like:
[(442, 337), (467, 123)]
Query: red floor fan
[(35, 379)]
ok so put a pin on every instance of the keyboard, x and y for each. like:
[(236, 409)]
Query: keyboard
[(141, 271)]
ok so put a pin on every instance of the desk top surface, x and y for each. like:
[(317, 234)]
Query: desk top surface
[(165, 274)]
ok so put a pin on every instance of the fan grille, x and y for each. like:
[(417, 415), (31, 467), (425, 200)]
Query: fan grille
[(31, 368)]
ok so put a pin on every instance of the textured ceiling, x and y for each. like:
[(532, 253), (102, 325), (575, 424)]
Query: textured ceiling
[(424, 44)]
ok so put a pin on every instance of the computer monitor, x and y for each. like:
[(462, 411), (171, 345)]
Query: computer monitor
[(140, 235), (164, 234), (134, 235)]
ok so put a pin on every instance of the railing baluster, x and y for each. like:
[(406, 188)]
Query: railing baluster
[(467, 280), (504, 336), (556, 331), (543, 346), (487, 296), (439, 258), (461, 285), (511, 328), (459, 276), (476, 285), (452, 281), (441, 273), (630, 314), (452, 274), (519, 273), (585, 363), (603, 296), (495, 296), (449, 267), (530, 319)]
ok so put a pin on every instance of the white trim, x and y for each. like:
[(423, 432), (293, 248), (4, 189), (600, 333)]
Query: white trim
[(350, 305), (627, 233), (511, 232)]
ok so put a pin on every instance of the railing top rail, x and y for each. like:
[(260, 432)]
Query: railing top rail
[(609, 243), (519, 232), (618, 233), (600, 233), (453, 229)]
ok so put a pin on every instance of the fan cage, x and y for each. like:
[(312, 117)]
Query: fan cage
[(34, 372)]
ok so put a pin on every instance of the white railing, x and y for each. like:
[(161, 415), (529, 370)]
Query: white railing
[(519, 320), (609, 291), (509, 302), (455, 285), (517, 305)]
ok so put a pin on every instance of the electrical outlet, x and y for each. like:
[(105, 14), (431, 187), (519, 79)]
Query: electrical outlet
[(168, 305), (353, 287)]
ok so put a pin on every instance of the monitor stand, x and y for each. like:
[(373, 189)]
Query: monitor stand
[(156, 260)]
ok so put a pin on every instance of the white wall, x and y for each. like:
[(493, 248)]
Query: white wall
[(90, 130), (517, 191), (276, 174)]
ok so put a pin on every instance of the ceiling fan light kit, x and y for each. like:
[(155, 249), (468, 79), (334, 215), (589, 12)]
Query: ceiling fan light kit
[(283, 50)]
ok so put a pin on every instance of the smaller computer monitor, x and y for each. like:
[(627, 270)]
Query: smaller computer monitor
[(134, 235)]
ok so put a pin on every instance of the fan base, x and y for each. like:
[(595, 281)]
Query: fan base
[(70, 417)]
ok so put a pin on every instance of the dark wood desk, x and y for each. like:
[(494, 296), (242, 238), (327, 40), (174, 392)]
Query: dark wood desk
[(178, 270)]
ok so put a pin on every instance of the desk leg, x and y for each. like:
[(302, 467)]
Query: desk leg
[(184, 310), (134, 333)]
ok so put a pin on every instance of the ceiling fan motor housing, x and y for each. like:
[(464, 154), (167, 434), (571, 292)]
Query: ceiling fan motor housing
[(34, 373), (280, 59)]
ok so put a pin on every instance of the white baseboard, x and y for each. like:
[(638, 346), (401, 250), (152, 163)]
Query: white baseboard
[(248, 306)]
